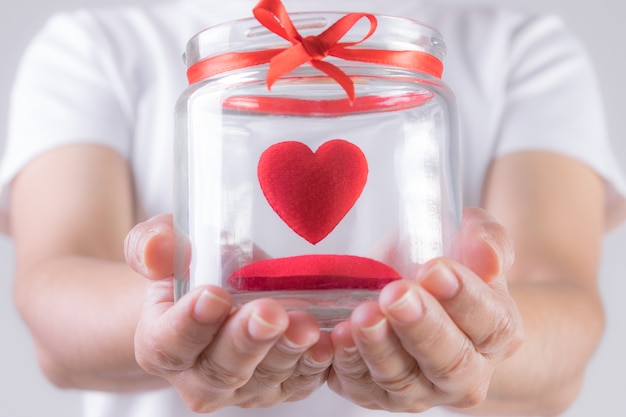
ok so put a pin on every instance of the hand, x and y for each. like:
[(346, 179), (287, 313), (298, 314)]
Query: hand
[(437, 340), (256, 356)]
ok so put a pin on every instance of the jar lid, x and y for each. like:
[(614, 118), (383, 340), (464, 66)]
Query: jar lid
[(285, 42)]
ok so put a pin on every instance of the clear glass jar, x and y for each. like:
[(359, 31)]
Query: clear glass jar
[(302, 194)]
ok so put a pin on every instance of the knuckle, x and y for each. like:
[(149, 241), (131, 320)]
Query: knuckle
[(302, 386), (473, 397), (203, 401), (305, 378), (153, 358), (198, 404), (221, 377), (452, 371), (504, 335), (352, 368), (268, 377), (467, 390), (402, 385), (164, 360)]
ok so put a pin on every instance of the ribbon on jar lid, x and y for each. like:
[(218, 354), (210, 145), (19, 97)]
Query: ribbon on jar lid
[(313, 50)]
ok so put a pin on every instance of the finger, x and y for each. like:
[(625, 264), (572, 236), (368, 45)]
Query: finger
[(348, 367), (149, 247), (280, 363), (352, 376), (312, 370), (483, 245), (389, 365), (495, 326), (242, 344), (169, 336), (444, 354), (298, 363)]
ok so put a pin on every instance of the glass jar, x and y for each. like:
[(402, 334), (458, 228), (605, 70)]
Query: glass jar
[(310, 192)]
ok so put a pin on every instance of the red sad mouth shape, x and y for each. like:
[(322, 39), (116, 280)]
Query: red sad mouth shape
[(312, 192), (313, 272)]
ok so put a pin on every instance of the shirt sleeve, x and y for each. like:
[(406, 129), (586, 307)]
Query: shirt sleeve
[(553, 102), (67, 91)]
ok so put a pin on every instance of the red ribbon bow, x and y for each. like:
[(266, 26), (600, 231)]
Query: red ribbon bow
[(312, 49)]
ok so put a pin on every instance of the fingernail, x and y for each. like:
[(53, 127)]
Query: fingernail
[(134, 244), (503, 250), (350, 350), (205, 309), (261, 329), (318, 358), (141, 244), (376, 332), (407, 308), (349, 346), (298, 346), (145, 246), (441, 281)]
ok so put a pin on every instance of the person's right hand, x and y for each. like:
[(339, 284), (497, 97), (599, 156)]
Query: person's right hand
[(256, 356)]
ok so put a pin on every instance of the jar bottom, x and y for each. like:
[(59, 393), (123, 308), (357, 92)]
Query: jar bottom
[(329, 307)]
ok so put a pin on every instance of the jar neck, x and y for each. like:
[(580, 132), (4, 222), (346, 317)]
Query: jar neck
[(286, 42)]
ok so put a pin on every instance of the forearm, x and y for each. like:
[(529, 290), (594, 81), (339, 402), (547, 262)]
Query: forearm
[(82, 314), (563, 325)]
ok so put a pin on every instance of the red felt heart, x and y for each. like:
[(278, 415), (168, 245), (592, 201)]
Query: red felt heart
[(312, 192), (313, 272)]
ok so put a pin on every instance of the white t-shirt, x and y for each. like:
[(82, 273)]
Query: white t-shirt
[(111, 77)]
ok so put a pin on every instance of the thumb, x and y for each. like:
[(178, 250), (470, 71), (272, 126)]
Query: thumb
[(484, 245), (149, 247)]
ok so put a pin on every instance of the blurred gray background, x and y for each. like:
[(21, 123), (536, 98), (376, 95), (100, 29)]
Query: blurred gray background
[(599, 24)]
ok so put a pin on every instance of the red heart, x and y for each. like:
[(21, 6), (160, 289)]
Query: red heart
[(312, 192), (313, 272)]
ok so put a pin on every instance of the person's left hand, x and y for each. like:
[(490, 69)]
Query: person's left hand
[(436, 340)]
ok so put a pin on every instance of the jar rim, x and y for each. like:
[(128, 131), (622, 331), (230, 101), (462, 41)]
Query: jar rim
[(247, 34)]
